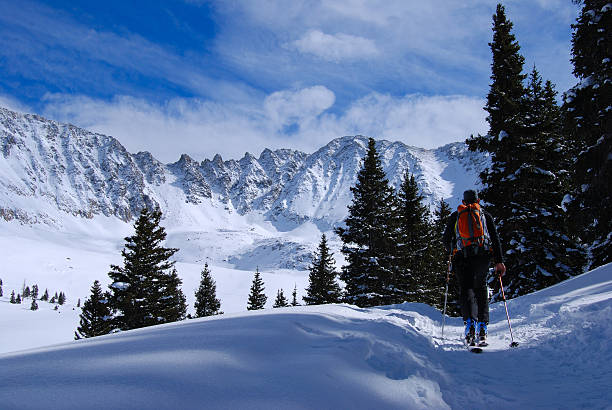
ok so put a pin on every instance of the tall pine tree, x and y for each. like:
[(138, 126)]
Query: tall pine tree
[(412, 273), (589, 125), (368, 242), (95, 317), (545, 254), (322, 286), (145, 290), (206, 303), (257, 297), (440, 264)]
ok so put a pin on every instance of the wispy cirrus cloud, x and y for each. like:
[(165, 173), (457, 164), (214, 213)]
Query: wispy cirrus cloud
[(44, 43), (337, 47)]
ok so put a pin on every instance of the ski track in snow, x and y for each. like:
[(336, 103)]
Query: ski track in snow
[(336, 356)]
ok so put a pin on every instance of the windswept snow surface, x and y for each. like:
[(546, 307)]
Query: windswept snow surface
[(336, 356)]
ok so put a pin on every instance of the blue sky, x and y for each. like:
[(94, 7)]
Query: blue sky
[(206, 77)]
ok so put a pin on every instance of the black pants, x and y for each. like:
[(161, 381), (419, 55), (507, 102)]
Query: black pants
[(472, 277)]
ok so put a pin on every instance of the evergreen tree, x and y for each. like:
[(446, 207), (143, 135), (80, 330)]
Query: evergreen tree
[(413, 274), (589, 125), (322, 287), (45, 296), (294, 301), (368, 242), (34, 292), (13, 300), (79, 303), (167, 302), (257, 298), (34, 305), (1, 287), (206, 303), (440, 263), (281, 300), (146, 288), (95, 317), (54, 298), (61, 299), (18, 300), (541, 251), (26, 292)]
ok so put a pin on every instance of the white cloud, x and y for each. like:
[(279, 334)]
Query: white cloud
[(336, 47), (289, 107), (13, 105), (203, 128)]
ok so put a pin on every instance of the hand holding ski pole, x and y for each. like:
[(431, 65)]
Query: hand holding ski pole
[(500, 269)]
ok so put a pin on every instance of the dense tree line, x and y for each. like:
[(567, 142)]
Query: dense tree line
[(553, 220)]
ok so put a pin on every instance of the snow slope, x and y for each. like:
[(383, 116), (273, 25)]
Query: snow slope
[(336, 356)]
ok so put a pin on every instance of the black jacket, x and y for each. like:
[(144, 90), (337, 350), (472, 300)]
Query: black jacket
[(450, 240)]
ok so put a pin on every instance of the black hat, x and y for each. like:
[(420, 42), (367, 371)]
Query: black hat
[(470, 196)]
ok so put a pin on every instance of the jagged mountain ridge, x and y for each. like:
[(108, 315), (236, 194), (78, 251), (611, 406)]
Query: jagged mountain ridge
[(49, 167)]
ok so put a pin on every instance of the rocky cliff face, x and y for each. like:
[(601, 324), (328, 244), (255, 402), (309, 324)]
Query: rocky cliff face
[(49, 170)]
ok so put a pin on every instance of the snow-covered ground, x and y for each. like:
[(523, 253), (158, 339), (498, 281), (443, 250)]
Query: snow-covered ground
[(70, 261), (335, 356)]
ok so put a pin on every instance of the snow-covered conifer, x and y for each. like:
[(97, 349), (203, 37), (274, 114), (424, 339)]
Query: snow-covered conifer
[(322, 286), (257, 298), (413, 237), (367, 237), (588, 122), (95, 317), (281, 300), (206, 302), (146, 276)]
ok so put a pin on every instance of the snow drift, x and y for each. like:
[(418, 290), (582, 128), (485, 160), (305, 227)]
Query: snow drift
[(336, 356)]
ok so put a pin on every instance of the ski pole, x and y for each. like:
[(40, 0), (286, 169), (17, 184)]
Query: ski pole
[(446, 292), (513, 344)]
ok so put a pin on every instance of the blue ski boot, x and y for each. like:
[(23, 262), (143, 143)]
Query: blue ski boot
[(481, 329), (470, 333)]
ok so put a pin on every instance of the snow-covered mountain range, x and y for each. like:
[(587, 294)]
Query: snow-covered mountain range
[(267, 211), (49, 169)]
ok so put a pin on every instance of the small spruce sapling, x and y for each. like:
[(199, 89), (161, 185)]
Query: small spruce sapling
[(257, 298), (281, 300), (294, 301)]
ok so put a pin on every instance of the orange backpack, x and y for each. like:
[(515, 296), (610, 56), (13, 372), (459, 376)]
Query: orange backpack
[(471, 229)]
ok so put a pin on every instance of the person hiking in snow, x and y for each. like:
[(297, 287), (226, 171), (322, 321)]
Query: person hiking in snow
[(471, 236)]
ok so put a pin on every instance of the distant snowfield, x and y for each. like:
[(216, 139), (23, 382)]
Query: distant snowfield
[(334, 356), (70, 260)]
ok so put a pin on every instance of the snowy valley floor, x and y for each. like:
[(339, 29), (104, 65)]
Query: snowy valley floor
[(336, 357)]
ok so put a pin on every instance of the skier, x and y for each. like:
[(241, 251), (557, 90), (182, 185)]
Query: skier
[(472, 237)]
